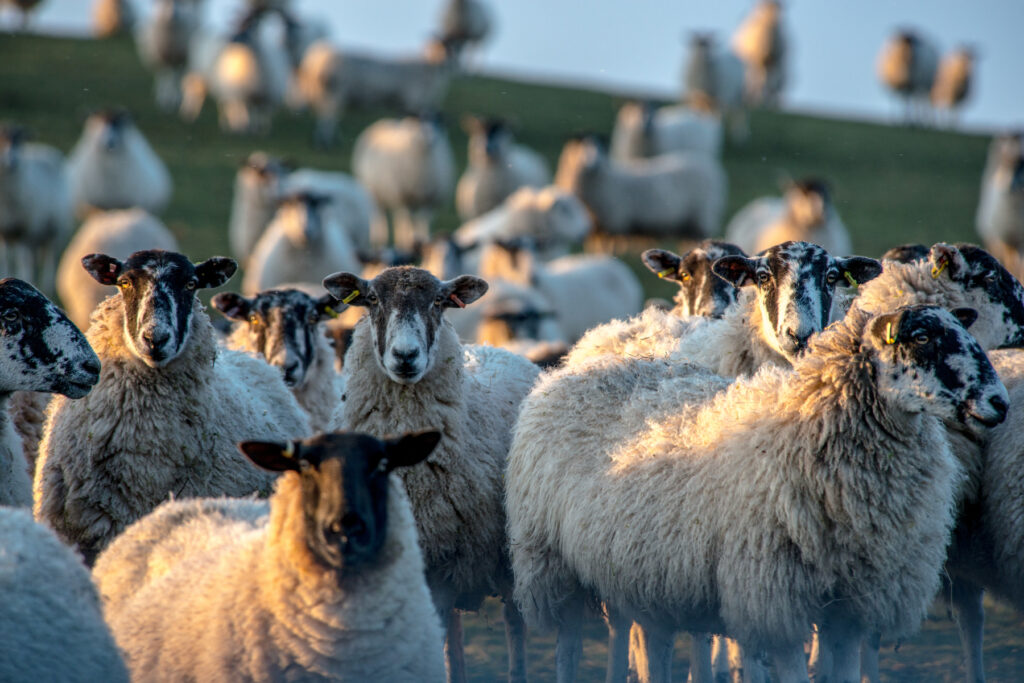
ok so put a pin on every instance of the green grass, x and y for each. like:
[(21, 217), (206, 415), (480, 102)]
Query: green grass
[(891, 185)]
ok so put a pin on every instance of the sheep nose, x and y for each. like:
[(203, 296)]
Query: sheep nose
[(1000, 406), (91, 366), (156, 339), (406, 356), (799, 343)]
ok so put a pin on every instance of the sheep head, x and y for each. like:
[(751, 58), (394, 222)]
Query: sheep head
[(701, 292)]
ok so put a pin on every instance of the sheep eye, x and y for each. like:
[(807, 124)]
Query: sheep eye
[(336, 527), (190, 285), (371, 299), (11, 315), (313, 319), (763, 277), (990, 277), (921, 339), (438, 300), (832, 277)]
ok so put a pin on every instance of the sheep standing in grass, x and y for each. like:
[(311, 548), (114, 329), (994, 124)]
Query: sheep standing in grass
[(465, 23), (113, 167), (1000, 216), (761, 44), (284, 326), (406, 370), (163, 43), (168, 408), (407, 166), (324, 582), (953, 81), (643, 130), (713, 82), (49, 598), (497, 167), (907, 66), (35, 207), (871, 389)]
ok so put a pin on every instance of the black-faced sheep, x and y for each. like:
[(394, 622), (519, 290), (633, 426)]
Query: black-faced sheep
[(761, 43), (701, 292)]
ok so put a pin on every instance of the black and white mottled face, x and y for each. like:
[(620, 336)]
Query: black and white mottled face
[(158, 289), (40, 349), (404, 306), (701, 292), (929, 362), (282, 325), (344, 489), (795, 284), (906, 253)]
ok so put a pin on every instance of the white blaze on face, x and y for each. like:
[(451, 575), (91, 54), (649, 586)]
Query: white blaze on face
[(406, 356)]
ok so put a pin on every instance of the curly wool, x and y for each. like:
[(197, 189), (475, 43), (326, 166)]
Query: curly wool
[(15, 485)]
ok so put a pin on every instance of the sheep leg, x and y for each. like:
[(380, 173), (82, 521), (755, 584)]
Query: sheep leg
[(869, 658), (421, 228), (970, 621), (569, 644), (721, 664), (700, 658), (618, 645), (326, 122), (454, 655), (748, 668), (790, 665), (820, 663), (379, 229), (841, 639), (659, 654), (515, 638)]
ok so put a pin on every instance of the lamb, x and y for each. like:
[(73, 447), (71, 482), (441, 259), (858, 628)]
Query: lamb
[(1000, 217), (408, 168), (497, 167), (118, 233), (163, 44), (167, 411), (761, 44), (907, 66), (701, 292), (805, 213), (35, 207), (465, 23), (671, 196), (325, 582), (871, 389), (643, 130), (405, 369), (304, 241), (713, 82), (113, 167), (49, 599), (953, 81), (284, 326)]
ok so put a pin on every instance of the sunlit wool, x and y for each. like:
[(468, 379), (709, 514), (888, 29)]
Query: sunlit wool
[(806, 213)]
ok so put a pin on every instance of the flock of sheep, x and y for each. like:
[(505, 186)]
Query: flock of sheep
[(317, 484)]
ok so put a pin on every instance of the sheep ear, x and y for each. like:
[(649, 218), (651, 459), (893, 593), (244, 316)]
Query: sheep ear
[(858, 268), (885, 327), (213, 272), (739, 270), (273, 456), (663, 263), (966, 316), (462, 291), (946, 257), (104, 269), (348, 288), (409, 449), (233, 306), (329, 307)]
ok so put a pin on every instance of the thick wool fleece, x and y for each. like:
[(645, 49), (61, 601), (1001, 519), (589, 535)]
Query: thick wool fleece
[(144, 434), (217, 590), (472, 396), (51, 626), (848, 499), (15, 485), (27, 411)]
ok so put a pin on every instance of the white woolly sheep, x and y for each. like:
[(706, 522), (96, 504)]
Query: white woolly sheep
[(713, 81), (408, 168), (116, 233), (643, 130), (325, 582), (35, 207), (806, 213), (112, 17), (761, 43), (643, 443), (701, 292), (1000, 216), (406, 370), (113, 167), (25, 7), (678, 196), (953, 81), (496, 167), (465, 23), (51, 623), (906, 66), (167, 411), (164, 42)]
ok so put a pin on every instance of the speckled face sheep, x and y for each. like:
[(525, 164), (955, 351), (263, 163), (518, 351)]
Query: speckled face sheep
[(701, 292)]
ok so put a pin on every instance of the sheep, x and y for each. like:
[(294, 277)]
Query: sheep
[(168, 408), (304, 240), (51, 623), (25, 7), (497, 167), (113, 167), (117, 233), (643, 130), (806, 213), (404, 370), (35, 207), (523, 321), (324, 582), (1000, 216), (906, 253), (713, 82), (408, 168), (112, 17), (163, 44), (953, 81), (761, 44), (644, 442), (331, 81), (670, 196), (465, 23), (701, 292), (283, 325), (906, 66)]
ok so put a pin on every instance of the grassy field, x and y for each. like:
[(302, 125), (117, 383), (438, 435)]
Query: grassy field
[(892, 185)]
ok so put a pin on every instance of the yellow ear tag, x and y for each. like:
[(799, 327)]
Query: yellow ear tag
[(939, 267), (330, 311), (666, 272), (889, 338), (348, 299), (849, 278), (289, 450)]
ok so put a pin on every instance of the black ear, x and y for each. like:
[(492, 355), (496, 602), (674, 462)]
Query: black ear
[(329, 307), (409, 449), (233, 306), (462, 291), (215, 271), (663, 263), (276, 457), (885, 327), (739, 270), (946, 257), (966, 316), (104, 269), (348, 288), (858, 268)]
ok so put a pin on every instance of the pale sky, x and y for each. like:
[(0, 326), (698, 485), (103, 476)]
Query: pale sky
[(636, 45)]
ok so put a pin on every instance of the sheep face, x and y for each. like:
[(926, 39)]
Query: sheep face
[(795, 284), (303, 216), (808, 203), (40, 349), (927, 361), (11, 139), (158, 290), (906, 253), (489, 143), (404, 308), (515, 314), (111, 130), (262, 175), (282, 326), (701, 292), (344, 490), (580, 158)]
